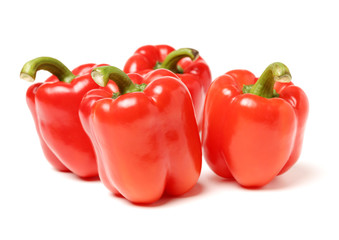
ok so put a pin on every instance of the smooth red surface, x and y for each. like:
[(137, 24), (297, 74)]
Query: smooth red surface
[(248, 137), (196, 76), (298, 99), (148, 142), (84, 112), (54, 106), (53, 160)]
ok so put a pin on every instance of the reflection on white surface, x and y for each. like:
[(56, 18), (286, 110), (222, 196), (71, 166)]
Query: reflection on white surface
[(246, 102), (133, 67), (158, 90), (60, 90), (106, 107), (293, 101), (226, 91), (128, 102), (79, 86)]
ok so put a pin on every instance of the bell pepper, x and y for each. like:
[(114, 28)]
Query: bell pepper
[(253, 128), (54, 105), (87, 102), (185, 63), (146, 136)]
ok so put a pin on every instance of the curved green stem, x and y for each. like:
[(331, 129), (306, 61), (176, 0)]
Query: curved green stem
[(275, 72), (172, 59), (52, 65), (101, 75)]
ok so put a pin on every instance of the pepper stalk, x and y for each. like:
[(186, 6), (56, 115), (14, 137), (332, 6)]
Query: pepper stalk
[(52, 65), (101, 75), (172, 59), (264, 87)]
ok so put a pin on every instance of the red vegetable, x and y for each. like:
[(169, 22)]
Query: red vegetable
[(185, 63), (146, 137), (54, 105), (253, 129)]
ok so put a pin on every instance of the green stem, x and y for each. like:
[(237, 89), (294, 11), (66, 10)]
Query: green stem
[(101, 75), (275, 72), (52, 65), (172, 59)]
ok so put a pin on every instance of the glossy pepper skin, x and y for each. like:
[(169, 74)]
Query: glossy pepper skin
[(54, 105), (185, 63), (252, 133), (146, 137)]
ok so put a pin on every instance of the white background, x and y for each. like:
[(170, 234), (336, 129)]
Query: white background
[(38, 202)]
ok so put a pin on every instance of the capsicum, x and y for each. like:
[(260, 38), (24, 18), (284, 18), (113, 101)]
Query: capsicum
[(146, 136), (54, 105), (253, 128), (185, 63)]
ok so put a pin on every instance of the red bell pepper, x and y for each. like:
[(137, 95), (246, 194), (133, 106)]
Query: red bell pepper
[(86, 105), (54, 106), (146, 137), (185, 63), (253, 128)]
